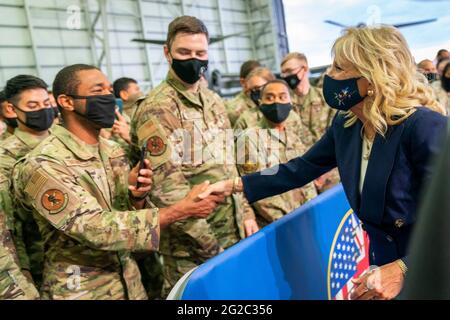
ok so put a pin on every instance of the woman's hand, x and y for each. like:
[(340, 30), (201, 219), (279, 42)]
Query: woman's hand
[(384, 283), (222, 188)]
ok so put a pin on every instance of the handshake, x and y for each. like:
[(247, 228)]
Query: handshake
[(201, 201), (204, 198), (224, 188)]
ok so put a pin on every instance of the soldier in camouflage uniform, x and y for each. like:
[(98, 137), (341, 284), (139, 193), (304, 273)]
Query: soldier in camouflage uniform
[(253, 83), (310, 105), (179, 121), (79, 197), (28, 100), (3, 126), (269, 144), (76, 184), (443, 95), (7, 118), (241, 102), (129, 92)]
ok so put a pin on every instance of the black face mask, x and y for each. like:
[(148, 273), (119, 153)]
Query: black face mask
[(56, 111), (255, 95), (39, 120), (445, 83), (189, 70), (432, 76), (276, 112), (341, 94), (293, 81), (11, 122), (100, 109)]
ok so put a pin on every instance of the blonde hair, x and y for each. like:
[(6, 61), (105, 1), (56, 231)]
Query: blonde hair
[(294, 55), (382, 56), (261, 72)]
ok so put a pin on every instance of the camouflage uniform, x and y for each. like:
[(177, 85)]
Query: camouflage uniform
[(316, 118), (265, 148), (128, 109), (3, 127), (78, 195), (13, 283), (150, 265), (248, 119), (5, 135), (157, 121), (25, 232), (116, 138), (236, 106)]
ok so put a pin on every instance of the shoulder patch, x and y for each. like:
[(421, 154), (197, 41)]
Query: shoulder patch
[(54, 201), (156, 146), (152, 134)]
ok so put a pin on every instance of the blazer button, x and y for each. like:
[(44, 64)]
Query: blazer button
[(389, 238), (399, 223)]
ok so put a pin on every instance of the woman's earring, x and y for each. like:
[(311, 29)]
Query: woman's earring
[(370, 92)]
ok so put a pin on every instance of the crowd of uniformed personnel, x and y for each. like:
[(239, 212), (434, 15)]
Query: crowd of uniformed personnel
[(83, 217)]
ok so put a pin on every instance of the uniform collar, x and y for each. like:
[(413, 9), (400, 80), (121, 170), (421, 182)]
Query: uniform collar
[(74, 144), (313, 95), (31, 141), (290, 123), (249, 102), (181, 88)]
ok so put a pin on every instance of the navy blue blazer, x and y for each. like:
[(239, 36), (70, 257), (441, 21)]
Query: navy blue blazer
[(398, 166)]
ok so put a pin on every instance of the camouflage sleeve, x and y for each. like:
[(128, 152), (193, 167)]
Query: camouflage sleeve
[(58, 196), (240, 124), (13, 283), (12, 224), (233, 115), (249, 214), (246, 162)]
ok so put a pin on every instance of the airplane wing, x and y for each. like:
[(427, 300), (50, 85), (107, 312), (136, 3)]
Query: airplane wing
[(334, 23), (211, 39), (408, 24), (152, 41)]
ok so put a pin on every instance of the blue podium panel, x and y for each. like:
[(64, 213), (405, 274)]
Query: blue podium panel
[(295, 257)]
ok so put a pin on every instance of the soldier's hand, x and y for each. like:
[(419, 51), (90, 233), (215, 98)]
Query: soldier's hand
[(320, 182), (121, 127), (144, 177), (250, 227), (221, 188), (194, 206)]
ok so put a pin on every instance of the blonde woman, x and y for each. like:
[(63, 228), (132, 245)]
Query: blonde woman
[(381, 142)]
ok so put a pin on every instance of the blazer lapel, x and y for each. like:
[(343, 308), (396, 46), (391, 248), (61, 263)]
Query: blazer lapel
[(379, 169)]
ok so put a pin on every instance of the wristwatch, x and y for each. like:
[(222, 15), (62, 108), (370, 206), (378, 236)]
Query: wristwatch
[(236, 185)]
